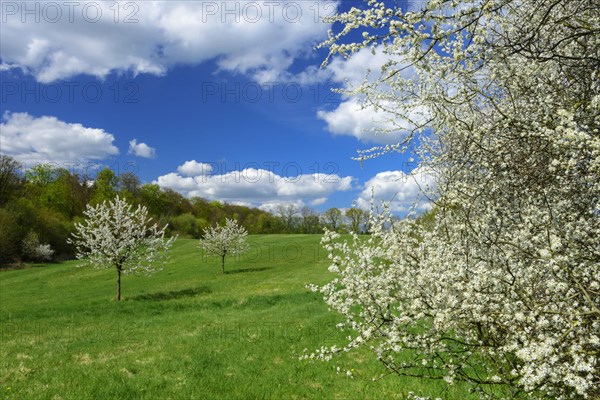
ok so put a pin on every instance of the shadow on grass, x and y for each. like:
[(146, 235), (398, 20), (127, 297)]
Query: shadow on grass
[(265, 301), (245, 270), (21, 265), (174, 294)]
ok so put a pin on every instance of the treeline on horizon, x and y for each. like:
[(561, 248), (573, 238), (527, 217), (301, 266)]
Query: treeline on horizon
[(39, 207)]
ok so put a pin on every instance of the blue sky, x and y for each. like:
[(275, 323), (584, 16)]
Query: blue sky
[(221, 100)]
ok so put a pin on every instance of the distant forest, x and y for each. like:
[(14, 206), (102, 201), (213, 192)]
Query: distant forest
[(40, 205)]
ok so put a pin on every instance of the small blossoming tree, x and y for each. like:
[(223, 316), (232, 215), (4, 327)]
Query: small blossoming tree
[(114, 234), (224, 240)]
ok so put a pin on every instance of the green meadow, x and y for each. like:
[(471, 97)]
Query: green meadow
[(186, 332)]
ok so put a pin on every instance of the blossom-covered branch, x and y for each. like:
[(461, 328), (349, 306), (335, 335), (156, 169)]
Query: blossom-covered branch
[(502, 288)]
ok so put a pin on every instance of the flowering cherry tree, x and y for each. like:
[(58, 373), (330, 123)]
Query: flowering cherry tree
[(224, 240), (502, 289), (114, 234)]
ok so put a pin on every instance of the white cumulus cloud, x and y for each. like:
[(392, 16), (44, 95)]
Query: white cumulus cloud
[(364, 123), (401, 190), (253, 185), (45, 139), (351, 117), (141, 149), (194, 168), (319, 201)]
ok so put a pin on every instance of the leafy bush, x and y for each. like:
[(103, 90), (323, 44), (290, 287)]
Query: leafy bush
[(185, 224), (10, 236)]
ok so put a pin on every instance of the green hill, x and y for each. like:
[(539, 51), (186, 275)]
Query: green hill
[(187, 332)]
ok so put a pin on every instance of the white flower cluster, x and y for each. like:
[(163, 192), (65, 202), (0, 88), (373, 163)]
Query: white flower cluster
[(502, 289), (114, 234), (44, 252), (35, 250)]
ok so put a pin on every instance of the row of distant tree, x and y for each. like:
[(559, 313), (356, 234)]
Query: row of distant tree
[(306, 220), (39, 206)]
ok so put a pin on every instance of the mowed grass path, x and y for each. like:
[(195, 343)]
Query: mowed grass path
[(186, 332)]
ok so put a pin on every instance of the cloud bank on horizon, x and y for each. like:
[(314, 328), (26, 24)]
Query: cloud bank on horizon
[(253, 186)]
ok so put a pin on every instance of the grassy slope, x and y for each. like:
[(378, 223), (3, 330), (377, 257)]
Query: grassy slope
[(185, 332)]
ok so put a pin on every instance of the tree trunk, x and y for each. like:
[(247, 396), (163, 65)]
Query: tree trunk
[(223, 264), (118, 284)]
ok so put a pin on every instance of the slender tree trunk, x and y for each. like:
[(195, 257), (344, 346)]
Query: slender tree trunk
[(223, 264), (118, 284)]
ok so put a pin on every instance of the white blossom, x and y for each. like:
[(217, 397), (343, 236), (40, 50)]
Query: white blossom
[(32, 248)]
